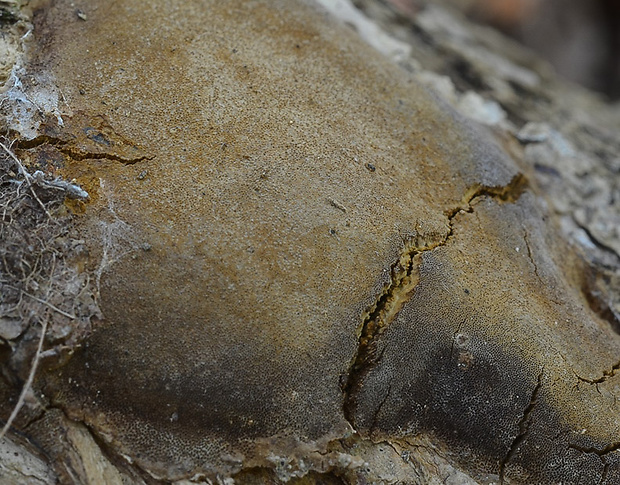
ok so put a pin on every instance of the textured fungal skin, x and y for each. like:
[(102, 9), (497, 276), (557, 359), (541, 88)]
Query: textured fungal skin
[(460, 361), (294, 242)]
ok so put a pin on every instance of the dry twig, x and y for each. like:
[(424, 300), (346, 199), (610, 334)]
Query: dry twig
[(28, 384)]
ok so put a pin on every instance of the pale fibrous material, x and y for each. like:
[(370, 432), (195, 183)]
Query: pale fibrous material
[(287, 261)]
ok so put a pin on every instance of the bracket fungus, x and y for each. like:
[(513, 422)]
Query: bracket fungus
[(298, 255)]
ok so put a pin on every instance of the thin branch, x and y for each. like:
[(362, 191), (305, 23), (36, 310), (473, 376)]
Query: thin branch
[(28, 384), (55, 308), (26, 176)]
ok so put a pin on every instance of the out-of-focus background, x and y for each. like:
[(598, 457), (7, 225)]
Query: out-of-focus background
[(580, 38)]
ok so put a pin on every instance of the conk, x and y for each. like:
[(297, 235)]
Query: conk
[(305, 264)]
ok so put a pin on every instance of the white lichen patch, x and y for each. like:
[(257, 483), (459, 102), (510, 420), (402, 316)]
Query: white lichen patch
[(26, 109), (26, 100), (470, 104), (15, 30), (368, 30)]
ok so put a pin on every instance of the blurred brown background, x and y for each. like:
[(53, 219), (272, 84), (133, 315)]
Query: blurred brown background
[(580, 38)]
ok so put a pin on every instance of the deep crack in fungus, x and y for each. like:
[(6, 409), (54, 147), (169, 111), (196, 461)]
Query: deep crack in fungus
[(601, 453), (524, 426), (77, 154), (607, 374), (403, 281)]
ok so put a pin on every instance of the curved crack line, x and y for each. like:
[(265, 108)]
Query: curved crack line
[(591, 449), (375, 418), (531, 257), (601, 453), (379, 317), (403, 281), (596, 241), (607, 374), (38, 141), (80, 155), (65, 147), (598, 301), (504, 193), (524, 427)]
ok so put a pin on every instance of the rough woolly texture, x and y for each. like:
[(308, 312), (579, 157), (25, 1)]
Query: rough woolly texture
[(309, 267), (46, 301), (47, 304)]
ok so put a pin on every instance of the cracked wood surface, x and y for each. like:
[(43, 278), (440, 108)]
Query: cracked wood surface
[(315, 266)]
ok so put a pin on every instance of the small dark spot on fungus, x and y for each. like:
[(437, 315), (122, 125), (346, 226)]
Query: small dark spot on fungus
[(370, 167)]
